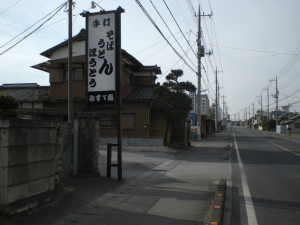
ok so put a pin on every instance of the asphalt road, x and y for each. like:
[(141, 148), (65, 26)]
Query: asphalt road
[(265, 179)]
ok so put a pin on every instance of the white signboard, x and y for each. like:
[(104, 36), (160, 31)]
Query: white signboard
[(101, 58), (193, 98), (204, 105)]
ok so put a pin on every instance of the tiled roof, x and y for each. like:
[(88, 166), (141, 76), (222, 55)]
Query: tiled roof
[(81, 36), (141, 94), (24, 92), (292, 119)]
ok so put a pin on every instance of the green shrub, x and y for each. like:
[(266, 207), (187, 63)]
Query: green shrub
[(8, 104)]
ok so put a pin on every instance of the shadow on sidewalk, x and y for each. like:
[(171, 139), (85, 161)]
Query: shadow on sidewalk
[(74, 193)]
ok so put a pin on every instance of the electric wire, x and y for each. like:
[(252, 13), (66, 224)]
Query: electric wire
[(11, 40), (204, 16), (209, 87), (219, 55), (155, 25), (187, 48), (180, 8), (291, 62), (43, 28), (256, 50), (172, 32), (178, 26), (152, 45), (206, 82), (192, 10), (175, 63), (156, 52), (6, 9), (35, 30)]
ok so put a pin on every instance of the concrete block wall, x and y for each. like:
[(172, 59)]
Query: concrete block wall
[(134, 141), (30, 159), (88, 146)]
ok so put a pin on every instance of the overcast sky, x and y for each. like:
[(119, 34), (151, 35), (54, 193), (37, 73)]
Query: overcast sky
[(252, 42)]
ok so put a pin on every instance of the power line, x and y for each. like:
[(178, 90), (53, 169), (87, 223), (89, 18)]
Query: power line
[(208, 35), (256, 50), (209, 5), (154, 53), (4, 10), (11, 40), (155, 25), (183, 14), (217, 44), (150, 46), (176, 62), (192, 10), (171, 32), (291, 94), (36, 29), (40, 29), (178, 26), (292, 61)]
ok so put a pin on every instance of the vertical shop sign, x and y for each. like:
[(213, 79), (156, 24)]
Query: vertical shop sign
[(102, 59)]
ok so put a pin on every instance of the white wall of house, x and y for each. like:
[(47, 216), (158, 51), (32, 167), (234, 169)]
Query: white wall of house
[(62, 53), (280, 129), (296, 126), (31, 105)]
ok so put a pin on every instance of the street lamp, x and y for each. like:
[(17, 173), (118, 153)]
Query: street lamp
[(94, 5)]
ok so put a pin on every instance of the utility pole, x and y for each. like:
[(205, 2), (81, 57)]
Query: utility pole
[(252, 116), (70, 67), (200, 54), (261, 113), (223, 119), (199, 77), (248, 122), (249, 114), (267, 89), (276, 97), (216, 108)]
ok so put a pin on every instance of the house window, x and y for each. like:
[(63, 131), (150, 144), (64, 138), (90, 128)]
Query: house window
[(78, 74), (128, 121), (109, 120), (56, 75), (297, 125)]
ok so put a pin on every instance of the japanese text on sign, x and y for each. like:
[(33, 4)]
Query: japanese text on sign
[(101, 58)]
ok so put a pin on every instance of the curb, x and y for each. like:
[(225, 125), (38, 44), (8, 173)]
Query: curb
[(218, 203)]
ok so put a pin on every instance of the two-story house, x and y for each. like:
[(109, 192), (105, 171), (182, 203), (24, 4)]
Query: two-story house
[(137, 82)]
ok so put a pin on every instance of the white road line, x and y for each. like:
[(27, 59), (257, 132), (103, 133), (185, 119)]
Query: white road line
[(290, 151), (251, 215)]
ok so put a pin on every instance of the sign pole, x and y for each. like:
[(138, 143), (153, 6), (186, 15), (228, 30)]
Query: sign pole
[(70, 67), (118, 87), (103, 52)]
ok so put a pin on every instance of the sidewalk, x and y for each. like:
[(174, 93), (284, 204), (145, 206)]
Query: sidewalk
[(172, 187), (294, 136)]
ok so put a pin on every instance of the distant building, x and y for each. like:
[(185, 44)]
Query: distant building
[(32, 97), (29, 95), (293, 122)]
